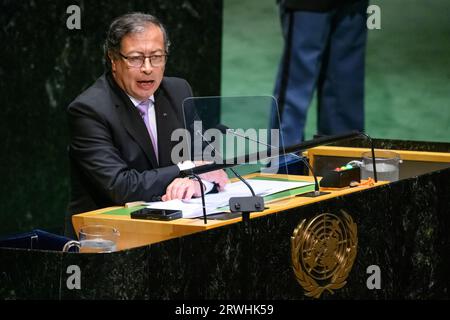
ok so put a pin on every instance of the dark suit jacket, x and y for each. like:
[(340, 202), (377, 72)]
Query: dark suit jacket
[(111, 154)]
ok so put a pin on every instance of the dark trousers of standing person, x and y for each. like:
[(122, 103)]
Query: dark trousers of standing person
[(324, 51)]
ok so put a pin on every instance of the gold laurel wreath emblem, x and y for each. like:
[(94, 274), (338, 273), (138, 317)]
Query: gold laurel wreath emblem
[(341, 272)]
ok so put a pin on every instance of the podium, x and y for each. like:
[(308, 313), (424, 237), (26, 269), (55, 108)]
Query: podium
[(393, 237), (136, 233)]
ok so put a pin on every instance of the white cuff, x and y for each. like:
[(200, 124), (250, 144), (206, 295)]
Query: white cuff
[(185, 165), (208, 186)]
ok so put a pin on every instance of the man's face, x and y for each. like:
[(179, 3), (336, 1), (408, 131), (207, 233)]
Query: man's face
[(139, 82)]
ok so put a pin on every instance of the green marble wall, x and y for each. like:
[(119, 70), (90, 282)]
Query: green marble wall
[(44, 65)]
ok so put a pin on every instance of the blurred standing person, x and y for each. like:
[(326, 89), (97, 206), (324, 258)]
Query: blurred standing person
[(324, 50)]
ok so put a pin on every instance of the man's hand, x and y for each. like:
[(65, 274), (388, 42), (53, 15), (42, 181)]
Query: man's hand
[(185, 188), (219, 176), (182, 188)]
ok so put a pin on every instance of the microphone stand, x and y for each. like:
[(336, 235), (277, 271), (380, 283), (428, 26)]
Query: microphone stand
[(202, 192), (373, 156), (316, 192), (244, 205)]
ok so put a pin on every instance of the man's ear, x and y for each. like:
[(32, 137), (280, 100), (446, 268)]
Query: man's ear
[(112, 60)]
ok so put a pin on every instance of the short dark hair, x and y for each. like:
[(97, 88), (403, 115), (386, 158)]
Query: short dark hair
[(134, 22)]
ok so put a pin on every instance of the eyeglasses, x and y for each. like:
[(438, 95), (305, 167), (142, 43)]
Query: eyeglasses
[(137, 61)]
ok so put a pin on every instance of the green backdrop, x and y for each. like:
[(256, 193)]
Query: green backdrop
[(407, 64)]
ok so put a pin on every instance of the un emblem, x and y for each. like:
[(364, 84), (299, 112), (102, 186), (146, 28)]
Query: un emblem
[(323, 251)]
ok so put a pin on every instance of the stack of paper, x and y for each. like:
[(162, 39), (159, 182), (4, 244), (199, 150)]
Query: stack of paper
[(192, 208)]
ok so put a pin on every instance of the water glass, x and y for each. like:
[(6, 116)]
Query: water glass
[(386, 162), (95, 239)]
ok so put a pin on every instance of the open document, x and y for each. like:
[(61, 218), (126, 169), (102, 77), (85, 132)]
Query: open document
[(218, 202)]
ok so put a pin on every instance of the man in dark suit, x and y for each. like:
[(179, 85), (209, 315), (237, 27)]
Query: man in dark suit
[(121, 126)]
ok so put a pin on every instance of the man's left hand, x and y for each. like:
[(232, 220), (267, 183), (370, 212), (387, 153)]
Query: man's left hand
[(182, 188), (219, 176)]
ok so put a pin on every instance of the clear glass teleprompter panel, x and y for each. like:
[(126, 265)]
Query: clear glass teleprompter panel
[(237, 131), (241, 133)]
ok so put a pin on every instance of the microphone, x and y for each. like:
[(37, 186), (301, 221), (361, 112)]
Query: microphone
[(224, 129), (202, 193), (245, 205), (196, 177), (219, 127)]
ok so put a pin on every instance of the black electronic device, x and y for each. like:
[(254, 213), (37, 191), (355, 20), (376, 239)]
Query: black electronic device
[(156, 214), (341, 177)]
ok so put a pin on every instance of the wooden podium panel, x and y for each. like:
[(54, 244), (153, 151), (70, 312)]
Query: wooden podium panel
[(136, 233)]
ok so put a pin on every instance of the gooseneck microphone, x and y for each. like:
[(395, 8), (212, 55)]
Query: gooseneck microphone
[(373, 156), (245, 205), (202, 193), (224, 129), (219, 127)]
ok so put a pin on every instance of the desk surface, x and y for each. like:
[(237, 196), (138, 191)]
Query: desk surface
[(136, 233)]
